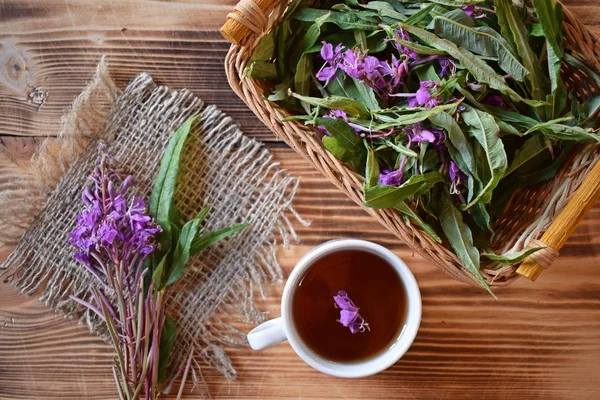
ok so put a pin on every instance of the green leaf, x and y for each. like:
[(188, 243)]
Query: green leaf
[(265, 49), (384, 9), (372, 167), (482, 218), (461, 238), (485, 130), (262, 70), (550, 16), (574, 133), (158, 275), (391, 196), (515, 32), (541, 125), (512, 117), (400, 148), (344, 20), (163, 189), (345, 144), (420, 49), (364, 94), (460, 150), (361, 39), (532, 147), (480, 70), (406, 211), (333, 146), (283, 38), (281, 90), (513, 258), (182, 251), (167, 340), (484, 41), (591, 108), (201, 242), (304, 73), (424, 13), (428, 73), (507, 128), (353, 108), (536, 30), (392, 119), (456, 15), (308, 40)]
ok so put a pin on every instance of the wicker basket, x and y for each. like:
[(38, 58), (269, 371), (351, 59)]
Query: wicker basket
[(543, 215)]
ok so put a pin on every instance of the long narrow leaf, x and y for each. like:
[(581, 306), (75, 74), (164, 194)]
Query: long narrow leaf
[(163, 189), (513, 258), (202, 242), (480, 69), (514, 30), (484, 41), (485, 130), (391, 196), (460, 237)]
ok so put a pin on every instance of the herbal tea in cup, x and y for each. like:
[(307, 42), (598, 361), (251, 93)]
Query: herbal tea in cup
[(350, 308)]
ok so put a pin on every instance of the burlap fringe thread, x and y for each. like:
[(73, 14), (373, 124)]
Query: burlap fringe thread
[(232, 288)]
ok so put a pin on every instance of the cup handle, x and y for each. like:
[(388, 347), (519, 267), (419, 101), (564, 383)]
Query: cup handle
[(267, 334)]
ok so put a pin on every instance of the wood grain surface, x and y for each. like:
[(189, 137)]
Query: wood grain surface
[(539, 341)]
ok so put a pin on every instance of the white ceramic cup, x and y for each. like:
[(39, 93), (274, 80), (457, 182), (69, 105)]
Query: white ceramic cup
[(280, 329)]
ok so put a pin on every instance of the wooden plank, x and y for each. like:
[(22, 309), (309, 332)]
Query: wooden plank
[(539, 340)]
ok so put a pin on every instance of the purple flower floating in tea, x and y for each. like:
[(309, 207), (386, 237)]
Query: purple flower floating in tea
[(349, 316)]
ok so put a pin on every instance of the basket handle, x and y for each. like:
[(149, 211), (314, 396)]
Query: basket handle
[(248, 16), (563, 225)]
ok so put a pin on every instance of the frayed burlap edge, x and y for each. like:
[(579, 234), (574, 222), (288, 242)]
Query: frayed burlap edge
[(20, 203)]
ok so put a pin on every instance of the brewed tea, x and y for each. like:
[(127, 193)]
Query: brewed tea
[(374, 287)]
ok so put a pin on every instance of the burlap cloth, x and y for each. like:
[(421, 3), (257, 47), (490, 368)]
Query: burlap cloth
[(221, 167)]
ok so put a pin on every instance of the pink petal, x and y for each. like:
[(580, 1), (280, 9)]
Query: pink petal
[(327, 51), (347, 318), (326, 73), (343, 301), (423, 96), (427, 136)]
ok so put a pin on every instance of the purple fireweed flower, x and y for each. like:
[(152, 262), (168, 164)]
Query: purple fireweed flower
[(360, 66), (392, 74), (424, 96), (399, 34), (112, 237), (457, 178), (349, 315), (332, 58), (495, 100), (417, 134), (474, 11), (389, 177), (446, 63)]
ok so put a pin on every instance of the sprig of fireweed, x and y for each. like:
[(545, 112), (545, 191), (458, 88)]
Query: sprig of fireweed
[(134, 254)]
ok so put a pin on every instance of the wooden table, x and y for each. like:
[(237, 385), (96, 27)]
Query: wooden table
[(539, 340)]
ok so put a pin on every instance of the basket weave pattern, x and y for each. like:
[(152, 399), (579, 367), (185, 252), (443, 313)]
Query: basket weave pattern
[(526, 218)]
